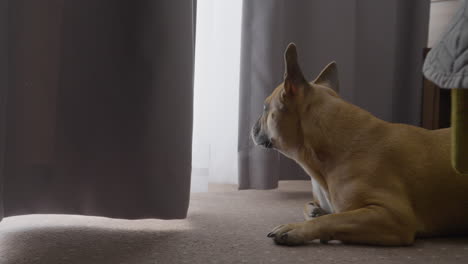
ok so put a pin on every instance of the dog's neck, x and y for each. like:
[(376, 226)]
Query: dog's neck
[(331, 135)]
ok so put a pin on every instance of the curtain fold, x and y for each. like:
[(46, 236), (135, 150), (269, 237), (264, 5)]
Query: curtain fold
[(3, 90), (99, 108), (378, 47)]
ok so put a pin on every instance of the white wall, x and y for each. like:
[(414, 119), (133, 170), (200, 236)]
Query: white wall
[(442, 12), (216, 98)]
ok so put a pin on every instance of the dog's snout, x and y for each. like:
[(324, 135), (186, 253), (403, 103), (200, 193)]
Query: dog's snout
[(260, 138), (256, 129), (264, 141)]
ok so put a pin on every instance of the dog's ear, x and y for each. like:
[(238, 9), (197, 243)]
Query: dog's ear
[(293, 78), (329, 77)]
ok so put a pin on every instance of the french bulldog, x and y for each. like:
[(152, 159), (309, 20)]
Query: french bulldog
[(374, 182)]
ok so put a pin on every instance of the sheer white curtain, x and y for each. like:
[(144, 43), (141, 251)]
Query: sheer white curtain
[(216, 99)]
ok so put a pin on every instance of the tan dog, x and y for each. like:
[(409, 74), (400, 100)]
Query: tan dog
[(374, 182)]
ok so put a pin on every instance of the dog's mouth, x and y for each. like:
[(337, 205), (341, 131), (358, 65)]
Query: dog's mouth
[(264, 142), (268, 144)]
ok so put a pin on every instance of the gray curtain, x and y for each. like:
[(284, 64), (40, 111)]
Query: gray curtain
[(3, 89), (378, 46), (96, 107)]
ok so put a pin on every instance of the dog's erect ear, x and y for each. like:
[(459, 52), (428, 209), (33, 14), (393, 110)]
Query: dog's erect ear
[(329, 77), (293, 78)]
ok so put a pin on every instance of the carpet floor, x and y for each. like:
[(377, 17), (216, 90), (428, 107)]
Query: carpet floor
[(223, 226)]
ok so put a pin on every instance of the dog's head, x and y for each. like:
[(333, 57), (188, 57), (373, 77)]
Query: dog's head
[(281, 124)]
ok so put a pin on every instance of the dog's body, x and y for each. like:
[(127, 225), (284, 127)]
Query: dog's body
[(374, 182)]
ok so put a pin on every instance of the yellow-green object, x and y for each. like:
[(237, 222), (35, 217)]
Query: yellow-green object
[(460, 130)]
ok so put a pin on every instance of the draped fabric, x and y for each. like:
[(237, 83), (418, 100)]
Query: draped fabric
[(378, 46), (96, 107)]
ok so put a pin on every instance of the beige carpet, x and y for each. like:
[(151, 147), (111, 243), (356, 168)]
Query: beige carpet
[(223, 226)]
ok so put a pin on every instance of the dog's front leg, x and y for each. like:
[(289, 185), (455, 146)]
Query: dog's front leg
[(370, 225)]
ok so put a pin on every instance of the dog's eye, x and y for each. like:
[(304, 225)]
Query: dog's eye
[(282, 108)]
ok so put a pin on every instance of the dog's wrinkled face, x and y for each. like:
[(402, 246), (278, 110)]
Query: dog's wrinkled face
[(279, 126)]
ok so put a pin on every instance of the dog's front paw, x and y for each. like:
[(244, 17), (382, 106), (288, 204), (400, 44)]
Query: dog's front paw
[(289, 234), (312, 210)]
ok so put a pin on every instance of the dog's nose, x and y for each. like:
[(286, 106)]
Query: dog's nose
[(256, 129), (260, 138)]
